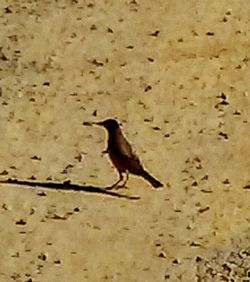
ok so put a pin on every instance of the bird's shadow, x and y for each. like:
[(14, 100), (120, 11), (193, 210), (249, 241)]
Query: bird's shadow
[(68, 186)]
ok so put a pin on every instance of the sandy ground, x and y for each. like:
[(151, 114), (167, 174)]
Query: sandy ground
[(176, 74)]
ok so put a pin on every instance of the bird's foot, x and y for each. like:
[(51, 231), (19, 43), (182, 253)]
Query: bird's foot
[(109, 187), (116, 187), (120, 187)]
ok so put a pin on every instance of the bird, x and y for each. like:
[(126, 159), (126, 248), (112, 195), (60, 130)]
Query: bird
[(122, 155)]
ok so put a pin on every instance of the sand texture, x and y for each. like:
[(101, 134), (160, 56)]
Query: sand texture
[(176, 75)]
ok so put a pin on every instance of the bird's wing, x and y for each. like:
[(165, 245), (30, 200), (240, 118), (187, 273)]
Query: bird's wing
[(125, 150)]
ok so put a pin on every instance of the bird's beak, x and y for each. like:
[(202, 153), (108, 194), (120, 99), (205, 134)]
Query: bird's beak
[(100, 123), (87, 123)]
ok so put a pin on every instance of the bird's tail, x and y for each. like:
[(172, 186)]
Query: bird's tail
[(154, 182)]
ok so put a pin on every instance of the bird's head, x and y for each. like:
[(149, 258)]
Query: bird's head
[(109, 124)]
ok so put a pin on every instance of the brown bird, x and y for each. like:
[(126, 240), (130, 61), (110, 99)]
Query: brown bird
[(122, 155)]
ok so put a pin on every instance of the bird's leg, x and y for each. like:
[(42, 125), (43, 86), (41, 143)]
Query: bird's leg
[(124, 183), (117, 182)]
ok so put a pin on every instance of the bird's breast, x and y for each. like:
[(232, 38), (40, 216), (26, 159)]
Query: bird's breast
[(117, 159)]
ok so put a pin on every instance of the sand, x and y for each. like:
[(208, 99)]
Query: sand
[(176, 75)]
